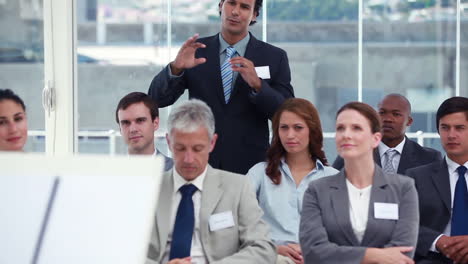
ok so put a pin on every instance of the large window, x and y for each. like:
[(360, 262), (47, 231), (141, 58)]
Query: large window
[(321, 39), (409, 48), (338, 51), (121, 46), (21, 61)]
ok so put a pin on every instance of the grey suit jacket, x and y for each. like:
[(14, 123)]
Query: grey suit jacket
[(433, 185), (326, 234), (412, 155), (246, 242)]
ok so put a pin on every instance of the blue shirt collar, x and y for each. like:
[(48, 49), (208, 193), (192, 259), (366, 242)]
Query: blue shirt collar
[(318, 165), (240, 46)]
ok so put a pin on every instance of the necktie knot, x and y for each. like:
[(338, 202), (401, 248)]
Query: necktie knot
[(230, 51), (391, 153), (461, 171), (188, 190)]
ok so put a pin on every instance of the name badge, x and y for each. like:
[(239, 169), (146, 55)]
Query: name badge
[(221, 221), (386, 211), (263, 72)]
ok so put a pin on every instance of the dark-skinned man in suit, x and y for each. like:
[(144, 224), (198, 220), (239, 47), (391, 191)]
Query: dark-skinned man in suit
[(396, 153)]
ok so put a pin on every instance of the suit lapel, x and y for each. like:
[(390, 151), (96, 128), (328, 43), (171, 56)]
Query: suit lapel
[(441, 180), (212, 62), (163, 211), (378, 194), (407, 157), (340, 205), (377, 157), (211, 194)]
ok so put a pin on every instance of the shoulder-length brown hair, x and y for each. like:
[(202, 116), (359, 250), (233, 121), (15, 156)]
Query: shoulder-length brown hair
[(307, 111)]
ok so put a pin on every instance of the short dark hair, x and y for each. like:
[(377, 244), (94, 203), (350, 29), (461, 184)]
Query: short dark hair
[(7, 94), (257, 7), (367, 111), (452, 105), (137, 97)]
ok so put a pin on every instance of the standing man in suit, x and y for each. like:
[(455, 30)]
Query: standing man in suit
[(443, 192), (138, 117), (200, 216), (397, 153), (242, 79)]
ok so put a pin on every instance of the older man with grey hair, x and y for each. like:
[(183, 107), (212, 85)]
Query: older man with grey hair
[(205, 215)]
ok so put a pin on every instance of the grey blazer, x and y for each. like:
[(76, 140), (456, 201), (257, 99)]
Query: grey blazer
[(246, 242), (326, 234)]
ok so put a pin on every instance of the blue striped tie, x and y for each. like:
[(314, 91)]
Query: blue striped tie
[(226, 73)]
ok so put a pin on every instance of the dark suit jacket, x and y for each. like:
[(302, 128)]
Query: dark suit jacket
[(326, 234), (242, 124), (433, 186), (412, 155)]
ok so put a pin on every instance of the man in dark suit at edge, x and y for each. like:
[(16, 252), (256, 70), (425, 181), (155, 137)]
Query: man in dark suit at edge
[(396, 153), (242, 79), (443, 192)]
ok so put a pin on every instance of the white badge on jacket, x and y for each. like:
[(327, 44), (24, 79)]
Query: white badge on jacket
[(263, 72), (386, 211), (221, 221)]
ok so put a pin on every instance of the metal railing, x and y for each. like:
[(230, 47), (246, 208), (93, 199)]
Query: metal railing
[(112, 136)]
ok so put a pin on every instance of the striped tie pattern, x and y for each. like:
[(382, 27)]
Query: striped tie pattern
[(226, 73)]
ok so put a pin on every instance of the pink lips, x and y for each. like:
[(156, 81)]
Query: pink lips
[(235, 21), (13, 139)]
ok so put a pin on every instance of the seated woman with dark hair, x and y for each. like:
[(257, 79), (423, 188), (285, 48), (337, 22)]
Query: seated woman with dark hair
[(13, 122), (362, 214), (294, 159)]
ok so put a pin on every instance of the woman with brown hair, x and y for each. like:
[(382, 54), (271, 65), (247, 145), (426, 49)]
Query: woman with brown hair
[(13, 122), (361, 215), (294, 159)]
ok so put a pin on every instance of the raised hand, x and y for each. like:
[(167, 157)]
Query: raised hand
[(185, 58)]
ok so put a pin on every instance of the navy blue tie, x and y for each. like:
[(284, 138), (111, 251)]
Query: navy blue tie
[(460, 205), (184, 224)]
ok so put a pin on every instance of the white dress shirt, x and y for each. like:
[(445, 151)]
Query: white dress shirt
[(196, 251), (453, 177), (396, 159), (358, 208)]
